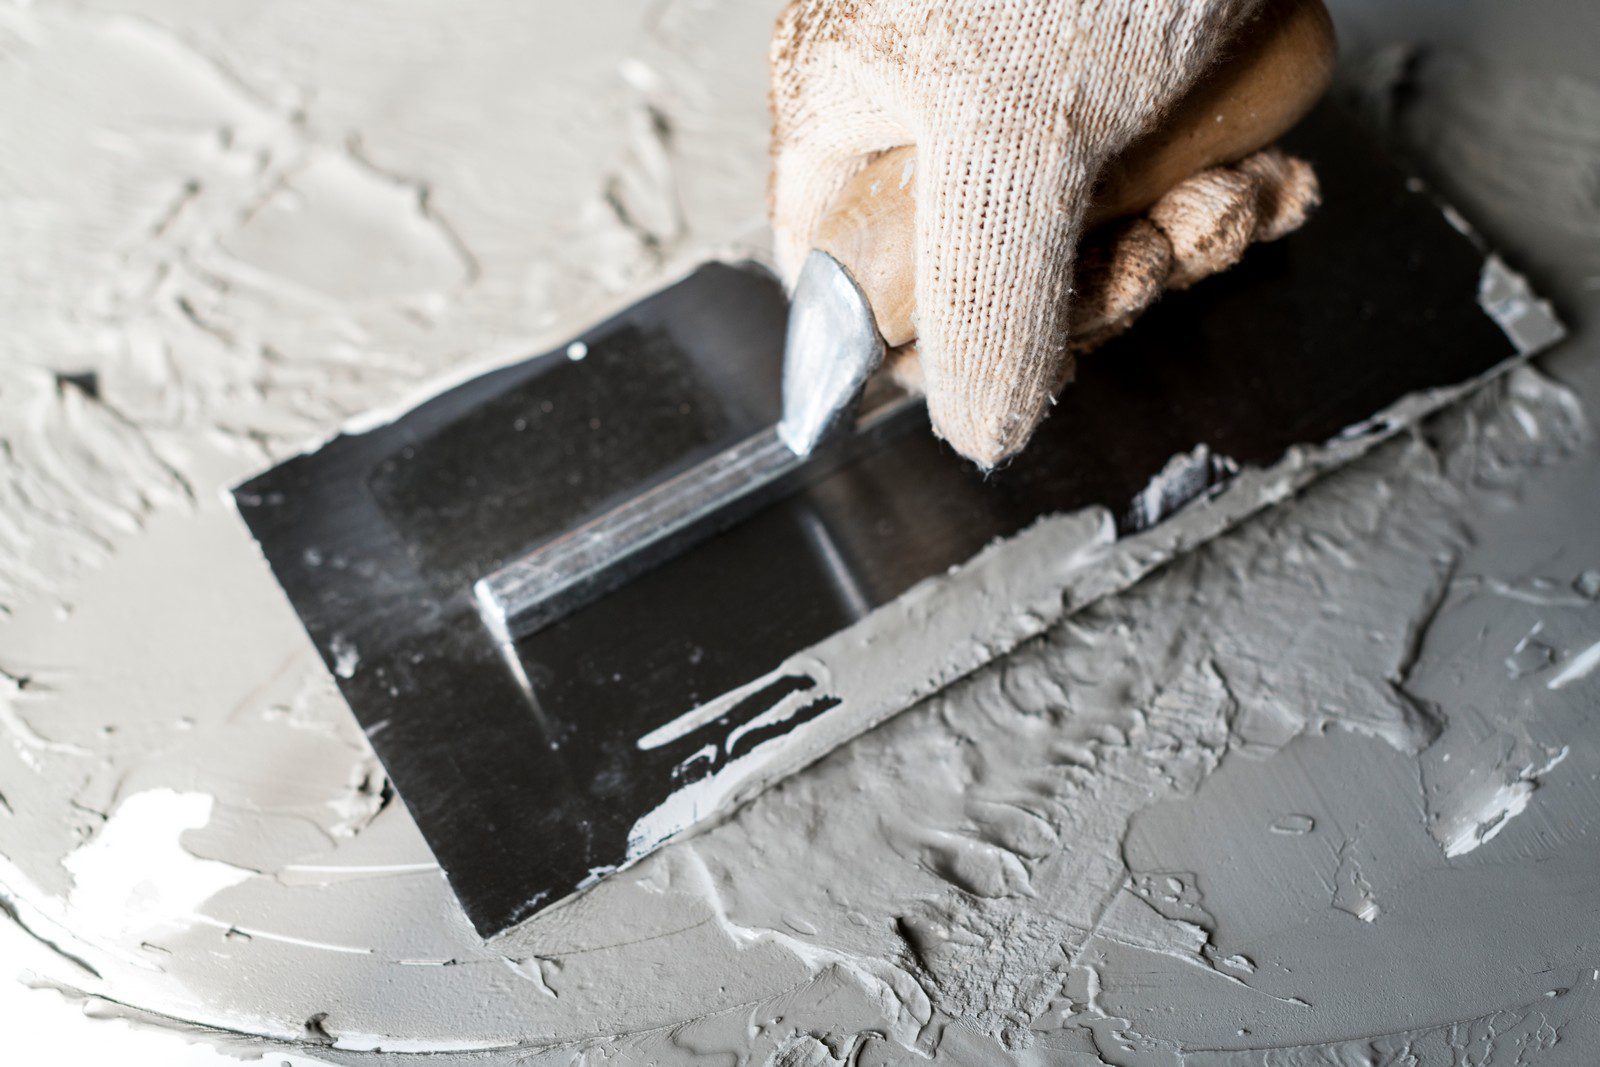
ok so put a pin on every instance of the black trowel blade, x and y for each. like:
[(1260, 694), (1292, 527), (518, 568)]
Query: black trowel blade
[(531, 778)]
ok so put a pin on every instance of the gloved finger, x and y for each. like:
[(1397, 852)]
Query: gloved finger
[(1286, 191), (1209, 219), (1121, 270), (1212, 217), (996, 226)]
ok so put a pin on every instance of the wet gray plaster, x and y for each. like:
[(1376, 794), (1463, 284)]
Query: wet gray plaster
[(1320, 792)]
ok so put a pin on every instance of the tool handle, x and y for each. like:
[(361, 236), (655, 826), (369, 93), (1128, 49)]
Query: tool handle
[(1267, 80)]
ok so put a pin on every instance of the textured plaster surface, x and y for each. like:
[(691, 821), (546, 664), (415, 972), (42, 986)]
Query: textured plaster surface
[(1323, 791)]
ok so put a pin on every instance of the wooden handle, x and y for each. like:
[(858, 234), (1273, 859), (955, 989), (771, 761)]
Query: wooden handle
[(1265, 82)]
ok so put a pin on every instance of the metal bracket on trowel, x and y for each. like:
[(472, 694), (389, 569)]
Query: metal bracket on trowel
[(831, 349), (748, 636)]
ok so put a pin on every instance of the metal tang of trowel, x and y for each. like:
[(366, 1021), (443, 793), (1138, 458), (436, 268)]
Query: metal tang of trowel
[(830, 350), (580, 607), (832, 347)]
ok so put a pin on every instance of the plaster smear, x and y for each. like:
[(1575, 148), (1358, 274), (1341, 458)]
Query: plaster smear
[(1283, 802)]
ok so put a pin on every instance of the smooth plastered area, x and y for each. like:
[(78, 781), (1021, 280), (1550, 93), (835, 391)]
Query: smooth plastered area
[(1321, 791)]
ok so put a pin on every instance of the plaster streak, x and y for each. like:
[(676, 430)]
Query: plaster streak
[(1579, 667), (135, 881)]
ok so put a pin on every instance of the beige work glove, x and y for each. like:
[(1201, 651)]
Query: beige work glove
[(1014, 107)]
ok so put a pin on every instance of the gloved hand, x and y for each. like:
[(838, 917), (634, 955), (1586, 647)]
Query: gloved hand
[(1015, 107)]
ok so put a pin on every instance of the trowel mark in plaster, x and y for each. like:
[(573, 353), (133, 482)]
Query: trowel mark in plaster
[(538, 970), (312, 200), (1498, 802), (639, 210), (1577, 668), (1538, 592), (338, 229), (1529, 655), (238, 752), (1185, 934), (76, 476), (906, 1008), (652, 197), (1514, 1035), (1190, 937), (1485, 771), (28, 742), (1352, 892)]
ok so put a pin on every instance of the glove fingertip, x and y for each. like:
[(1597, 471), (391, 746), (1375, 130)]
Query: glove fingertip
[(990, 420)]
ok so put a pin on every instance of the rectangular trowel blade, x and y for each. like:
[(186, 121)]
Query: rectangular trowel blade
[(536, 766)]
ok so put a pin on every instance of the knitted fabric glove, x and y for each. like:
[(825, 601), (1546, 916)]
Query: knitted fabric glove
[(1014, 106)]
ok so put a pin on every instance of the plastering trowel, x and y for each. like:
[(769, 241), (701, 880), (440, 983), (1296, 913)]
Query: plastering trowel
[(587, 601)]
